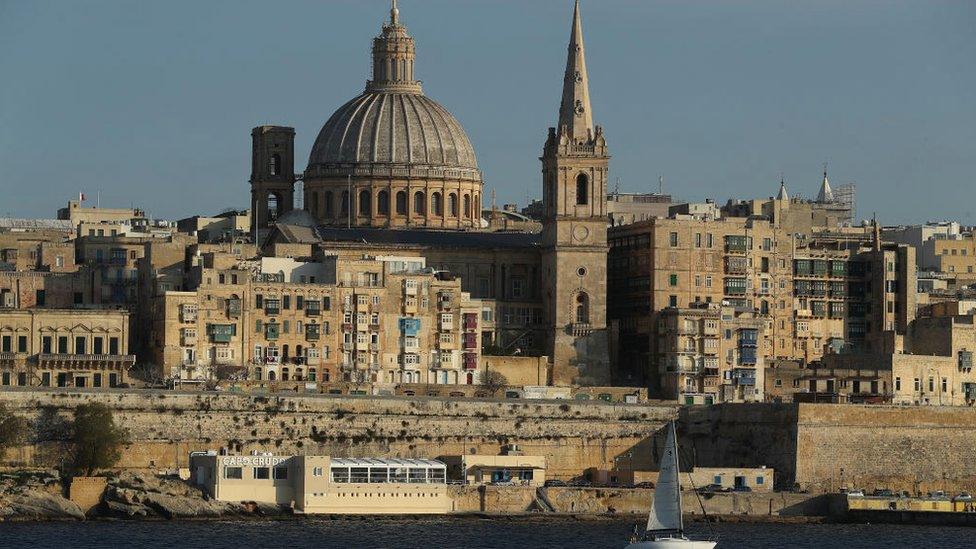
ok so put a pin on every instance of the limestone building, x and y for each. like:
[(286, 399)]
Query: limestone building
[(64, 348), (393, 172), (379, 319)]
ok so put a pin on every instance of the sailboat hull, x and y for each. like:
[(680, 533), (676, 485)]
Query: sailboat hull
[(672, 543)]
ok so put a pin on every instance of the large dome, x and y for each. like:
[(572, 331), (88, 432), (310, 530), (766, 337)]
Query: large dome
[(389, 127), (393, 157)]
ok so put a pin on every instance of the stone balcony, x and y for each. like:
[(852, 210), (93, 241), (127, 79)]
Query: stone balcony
[(85, 362)]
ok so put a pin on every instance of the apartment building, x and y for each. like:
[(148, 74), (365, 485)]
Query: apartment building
[(710, 354), (374, 319), (828, 291)]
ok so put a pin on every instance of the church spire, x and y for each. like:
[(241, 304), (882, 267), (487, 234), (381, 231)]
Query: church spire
[(783, 195), (394, 14), (575, 117), (826, 194)]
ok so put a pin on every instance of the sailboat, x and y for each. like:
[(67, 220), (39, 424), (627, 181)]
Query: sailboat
[(665, 529)]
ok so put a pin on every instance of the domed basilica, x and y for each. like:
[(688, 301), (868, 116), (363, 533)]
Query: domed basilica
[(392, 172)]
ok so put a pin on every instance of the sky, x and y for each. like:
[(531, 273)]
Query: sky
[(150, 104)]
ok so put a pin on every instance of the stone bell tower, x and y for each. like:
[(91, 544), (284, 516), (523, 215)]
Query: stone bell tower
[(272, 174), (575, 164)]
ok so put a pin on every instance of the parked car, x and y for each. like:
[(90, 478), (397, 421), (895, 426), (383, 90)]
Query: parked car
[(963, 496), (742, 489), (711, 488), (882, 493), (938, 494), (855, 493)]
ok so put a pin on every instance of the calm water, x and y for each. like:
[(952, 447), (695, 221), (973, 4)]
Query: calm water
[(469, 533)]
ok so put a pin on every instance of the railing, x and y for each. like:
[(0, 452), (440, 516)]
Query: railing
[(46, 357)]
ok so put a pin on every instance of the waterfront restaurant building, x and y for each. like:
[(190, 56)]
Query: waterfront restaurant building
[(325, 485)]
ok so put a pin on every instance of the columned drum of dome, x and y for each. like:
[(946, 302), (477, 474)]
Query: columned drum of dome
[(393, 157)]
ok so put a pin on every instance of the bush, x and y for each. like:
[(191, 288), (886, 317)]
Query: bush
[(494, 381), (97, 439)]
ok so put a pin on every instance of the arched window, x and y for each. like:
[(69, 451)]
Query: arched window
[(582, 189), (344, 203), (383, 203), (365, 206), (436, 206), (401, 203), (467, 205), (582, 308), (275, 166), (315, 203), (419, 203), (271, 375), (273, 201), (328, 203), (452, 205), (284, 374)]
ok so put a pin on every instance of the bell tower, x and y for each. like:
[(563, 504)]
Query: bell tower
[(272, 174), (575, 164)]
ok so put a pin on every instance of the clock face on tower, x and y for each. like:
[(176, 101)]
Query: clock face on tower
[(580, 232)]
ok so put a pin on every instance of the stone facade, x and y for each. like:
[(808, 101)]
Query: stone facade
[(820, 292), (382, 320), (165, 427), (710, 354), (64, 348)]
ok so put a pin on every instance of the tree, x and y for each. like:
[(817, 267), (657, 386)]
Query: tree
[(97, 439), (494, 381), (13, 429)]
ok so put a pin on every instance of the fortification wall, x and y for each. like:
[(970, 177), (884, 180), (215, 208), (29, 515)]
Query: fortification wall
[(823, 447), (165, 426)]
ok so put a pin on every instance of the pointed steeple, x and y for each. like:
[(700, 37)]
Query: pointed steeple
[(783, 195), (826, 194), (575, 117)]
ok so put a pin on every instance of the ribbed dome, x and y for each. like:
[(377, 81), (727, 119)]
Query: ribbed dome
[(383, 127)]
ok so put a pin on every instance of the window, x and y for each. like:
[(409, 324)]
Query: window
[(583, 308), (316, 471), (452, 205), (419, 203), (673, 240), (275, 167), (760, 481), (673, 280), (436, 204), (365, 206), (698, 240), (233, 473), (262, 473), (281, 473), (467, 205), (582, 190), (401, 203), (672, 301), (898, 384)]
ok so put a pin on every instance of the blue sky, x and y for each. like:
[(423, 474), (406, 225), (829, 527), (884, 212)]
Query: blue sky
[(151, 103)]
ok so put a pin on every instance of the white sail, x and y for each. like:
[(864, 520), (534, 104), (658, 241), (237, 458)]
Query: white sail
[(666, 507)]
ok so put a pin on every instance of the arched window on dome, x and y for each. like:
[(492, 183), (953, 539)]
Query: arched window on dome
[(315, 204), (467, 205), (582, 189), (401, 203), (582, 308), (275, 166), (452, 205), (327, 199), (365, 204), (419, 203), (436, 204), (344, 203), (383, 203)]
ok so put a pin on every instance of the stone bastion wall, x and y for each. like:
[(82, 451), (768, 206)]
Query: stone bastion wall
[(824, 447), (165, 426)]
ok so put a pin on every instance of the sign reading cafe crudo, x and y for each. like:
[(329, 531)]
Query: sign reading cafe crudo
[(252, 461)]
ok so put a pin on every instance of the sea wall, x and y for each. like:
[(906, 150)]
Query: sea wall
[(165, 426), (631, 501), (823, 447)]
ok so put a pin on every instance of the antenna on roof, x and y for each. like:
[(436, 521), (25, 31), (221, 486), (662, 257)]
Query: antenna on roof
[(616, 187), (660, 184)]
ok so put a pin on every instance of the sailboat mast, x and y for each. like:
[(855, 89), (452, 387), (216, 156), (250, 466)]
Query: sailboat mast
[(677, 470)]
